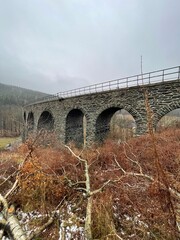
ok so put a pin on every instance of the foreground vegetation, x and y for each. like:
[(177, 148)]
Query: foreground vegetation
[(114, 191)]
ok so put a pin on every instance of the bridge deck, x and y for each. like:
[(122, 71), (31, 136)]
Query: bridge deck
[(163, 75)]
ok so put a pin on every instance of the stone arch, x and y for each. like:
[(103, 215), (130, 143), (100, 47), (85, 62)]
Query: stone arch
[(104, 117), (46, 121), (165, 110), (30, 121), (75, 127), (136, 115)]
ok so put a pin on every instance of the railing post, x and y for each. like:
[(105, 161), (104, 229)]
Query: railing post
[(118, 83), (149, 78), (137, 80), (163, 76), (127, 82), (179, 73)]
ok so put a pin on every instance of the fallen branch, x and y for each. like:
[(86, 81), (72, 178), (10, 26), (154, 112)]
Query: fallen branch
[(9, 222)]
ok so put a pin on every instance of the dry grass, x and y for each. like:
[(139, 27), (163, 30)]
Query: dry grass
[(4, 141)]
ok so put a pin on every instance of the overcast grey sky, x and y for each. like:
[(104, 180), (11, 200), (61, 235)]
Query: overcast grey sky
[(55, 45)]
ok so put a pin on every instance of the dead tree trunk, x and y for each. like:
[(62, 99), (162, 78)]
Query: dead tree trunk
[(9, 223)]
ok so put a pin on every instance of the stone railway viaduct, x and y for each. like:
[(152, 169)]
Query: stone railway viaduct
[(83, 115)]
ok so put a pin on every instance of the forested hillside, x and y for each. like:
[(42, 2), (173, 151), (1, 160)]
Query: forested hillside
[(12, 99)]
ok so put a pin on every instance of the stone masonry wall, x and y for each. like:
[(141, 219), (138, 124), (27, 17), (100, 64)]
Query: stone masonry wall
[(163, 98)]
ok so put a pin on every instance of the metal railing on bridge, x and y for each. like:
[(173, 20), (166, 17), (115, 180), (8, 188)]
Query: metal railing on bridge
[(168, 74)]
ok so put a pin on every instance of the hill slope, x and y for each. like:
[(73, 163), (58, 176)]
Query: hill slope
[(11, 101), (11, 95)]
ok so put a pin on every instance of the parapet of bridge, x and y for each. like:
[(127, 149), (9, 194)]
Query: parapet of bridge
[(83, 115)]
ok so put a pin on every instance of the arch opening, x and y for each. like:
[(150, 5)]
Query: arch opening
[(30, 121), (46, 121), (169, 120), (75, 127), (24, 116), (115, 123)]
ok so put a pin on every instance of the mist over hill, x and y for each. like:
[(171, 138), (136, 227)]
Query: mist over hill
[(12, 99), (12, 95)]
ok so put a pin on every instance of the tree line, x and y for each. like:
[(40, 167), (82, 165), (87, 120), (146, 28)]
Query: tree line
[(12, 100)]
